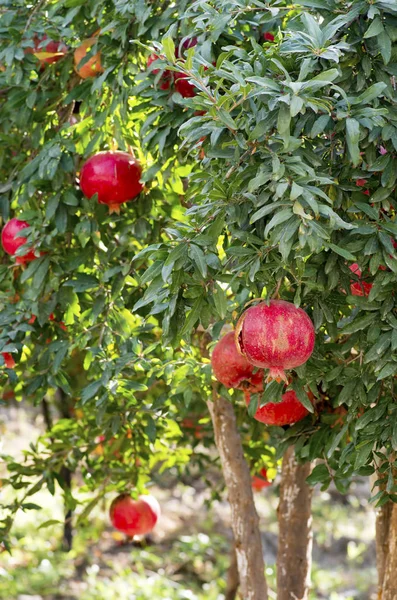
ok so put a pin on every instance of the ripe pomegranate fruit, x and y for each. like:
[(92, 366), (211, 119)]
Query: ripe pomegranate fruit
[(286, 412), (359, 288), (260, 481), (183, 86), (11, 243), (93, 66), (134, 517), (275, 336), (114, 176), (233, 370), (49, 53), (166, 77), (269, 37), (9, 361)]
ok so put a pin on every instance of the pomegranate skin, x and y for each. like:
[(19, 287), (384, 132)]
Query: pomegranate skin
[(183, 86), (114, 176), (231, 368), (269, 37), (275, 336), (258, 482), (11, 243), (134, 517), (359, 288), (286, 412)]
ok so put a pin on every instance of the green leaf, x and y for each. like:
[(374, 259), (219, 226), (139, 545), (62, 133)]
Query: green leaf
[(302, 395), (220, 300), (342, 252), (41, 272), (169, 48), (374, 29), (353, 138), (193, 316), (320, 474), (198, 257)]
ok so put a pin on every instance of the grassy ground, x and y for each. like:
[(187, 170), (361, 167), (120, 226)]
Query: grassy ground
[(187, 558)]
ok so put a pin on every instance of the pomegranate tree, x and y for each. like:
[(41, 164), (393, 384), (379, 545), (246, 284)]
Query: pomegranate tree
[(11, 241), (286, 412), (134, 517), (114, 176), (93, 65), (275, 336), (260, 481), (232, 369)]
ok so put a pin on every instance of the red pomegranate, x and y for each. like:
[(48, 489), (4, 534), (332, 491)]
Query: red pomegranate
[(47, 53), (359, 288), (114, 176), (260, 481), (269, 37), (9, 361), (166, 77), (11, 242), (275, 336), (286, 412), (183, 86), (134, 517), (232, 369)]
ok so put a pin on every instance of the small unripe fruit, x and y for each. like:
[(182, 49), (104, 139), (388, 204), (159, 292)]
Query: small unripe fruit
[(9, 361), (134, 517), (275, 336)]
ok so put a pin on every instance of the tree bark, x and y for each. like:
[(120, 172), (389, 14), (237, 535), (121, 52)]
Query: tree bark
[(67, 476), (233, 581), (383, 517), (386, 546), (295, 530), (245, 522)]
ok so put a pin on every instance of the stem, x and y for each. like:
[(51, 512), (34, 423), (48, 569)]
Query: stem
[(66, 475)]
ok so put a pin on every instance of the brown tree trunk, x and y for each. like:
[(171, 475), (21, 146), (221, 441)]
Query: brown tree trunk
[(383, 516), (233, 581), (245, 522), (386, 546), (295, 530)]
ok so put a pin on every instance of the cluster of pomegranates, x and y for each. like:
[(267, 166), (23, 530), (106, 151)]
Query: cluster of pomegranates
[(274, 336)]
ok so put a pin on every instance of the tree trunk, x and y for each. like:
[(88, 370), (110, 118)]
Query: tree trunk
[(386, 546), (383, 517), (66, 474), (233, 581), (295, 530), (245, 522)]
